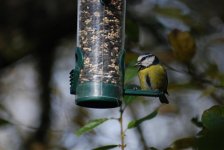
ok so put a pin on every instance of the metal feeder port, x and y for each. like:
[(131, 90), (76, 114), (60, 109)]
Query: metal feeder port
[(97, 79)]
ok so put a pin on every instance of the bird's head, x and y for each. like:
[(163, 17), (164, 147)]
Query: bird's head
[(146, 60)]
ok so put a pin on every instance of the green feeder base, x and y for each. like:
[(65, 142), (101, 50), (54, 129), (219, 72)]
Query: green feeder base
[(98, 95)]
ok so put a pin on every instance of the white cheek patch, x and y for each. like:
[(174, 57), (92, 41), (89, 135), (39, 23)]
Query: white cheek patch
[(144, 63), (148, 61)]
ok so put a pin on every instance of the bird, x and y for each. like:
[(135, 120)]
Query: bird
[(152, 75)]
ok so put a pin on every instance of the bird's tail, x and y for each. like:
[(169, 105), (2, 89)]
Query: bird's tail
[(163, 99)]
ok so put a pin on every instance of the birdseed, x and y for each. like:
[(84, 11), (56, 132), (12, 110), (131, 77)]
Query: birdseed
[(100, 36)]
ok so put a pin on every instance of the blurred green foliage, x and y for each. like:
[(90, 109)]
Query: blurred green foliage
[(90, 126), (136, 123), (210, 136), (186, 35)]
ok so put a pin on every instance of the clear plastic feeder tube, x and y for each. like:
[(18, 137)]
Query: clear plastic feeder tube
[(100, 36)]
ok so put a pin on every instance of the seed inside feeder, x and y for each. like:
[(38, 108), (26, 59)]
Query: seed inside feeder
[(100, 29)]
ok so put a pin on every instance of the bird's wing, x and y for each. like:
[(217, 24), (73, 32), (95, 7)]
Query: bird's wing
[(148, 81)]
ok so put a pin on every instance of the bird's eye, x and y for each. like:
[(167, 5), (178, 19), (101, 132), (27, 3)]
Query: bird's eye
[(143, 58)]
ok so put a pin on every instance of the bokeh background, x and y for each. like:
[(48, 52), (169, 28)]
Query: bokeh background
[(37, 42)]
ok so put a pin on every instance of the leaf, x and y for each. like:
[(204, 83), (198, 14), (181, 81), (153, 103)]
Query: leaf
[(153, 148), (212, 70), (129, 99), (196, 122), (90, 126), (213, 118), (183, 86), (208, 91), (106, 147), (168, 148), (4, 122), (136, 123), (183, 45), (211, 137), (184, 143), (202, 133)]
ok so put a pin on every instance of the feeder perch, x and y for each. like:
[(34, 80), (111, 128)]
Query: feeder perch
[(98, 77)]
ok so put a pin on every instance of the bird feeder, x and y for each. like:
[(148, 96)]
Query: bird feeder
[(97, 79)]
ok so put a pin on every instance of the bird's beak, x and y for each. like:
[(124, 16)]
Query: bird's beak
[(137, 64)]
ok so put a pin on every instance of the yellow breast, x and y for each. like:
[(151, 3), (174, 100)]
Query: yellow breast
[(157, 78)]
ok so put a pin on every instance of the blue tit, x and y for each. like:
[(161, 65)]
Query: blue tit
[(152, 75)]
